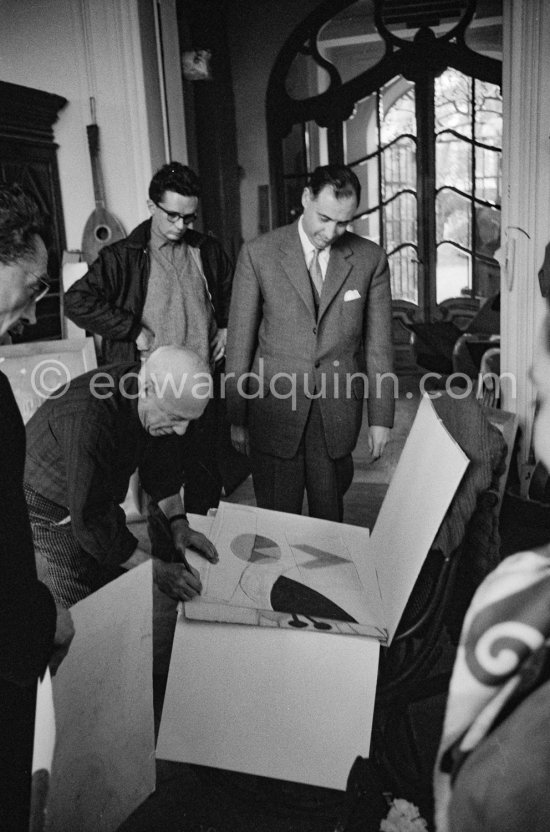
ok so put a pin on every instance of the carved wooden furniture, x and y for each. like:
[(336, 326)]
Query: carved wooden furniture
[(28, 155)]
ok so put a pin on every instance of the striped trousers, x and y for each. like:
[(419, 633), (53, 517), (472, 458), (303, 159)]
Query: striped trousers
[(69, 572)]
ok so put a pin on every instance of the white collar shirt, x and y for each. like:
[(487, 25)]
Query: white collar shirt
[(309, 249)]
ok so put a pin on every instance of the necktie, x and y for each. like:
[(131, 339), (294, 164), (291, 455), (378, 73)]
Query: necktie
[(315, 272)]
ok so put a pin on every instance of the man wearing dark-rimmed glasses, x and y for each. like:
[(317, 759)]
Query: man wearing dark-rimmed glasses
[(163, 284)]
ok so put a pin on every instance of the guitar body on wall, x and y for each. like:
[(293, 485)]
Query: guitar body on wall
[(102, 228)]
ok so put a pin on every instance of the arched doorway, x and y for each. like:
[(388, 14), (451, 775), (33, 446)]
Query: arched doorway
[(410, 98)]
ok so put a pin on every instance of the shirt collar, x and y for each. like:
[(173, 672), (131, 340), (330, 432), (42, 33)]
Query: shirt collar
[(307, 245), (157, 241)]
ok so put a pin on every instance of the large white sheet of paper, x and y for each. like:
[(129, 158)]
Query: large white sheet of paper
[(104, 761), (285, 570), (277, 703), (428, 473), (285, 703), (44, 725), (43, 751)]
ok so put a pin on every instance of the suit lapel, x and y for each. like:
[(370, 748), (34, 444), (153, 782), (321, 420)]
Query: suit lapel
[(339, 266), (294, 265)]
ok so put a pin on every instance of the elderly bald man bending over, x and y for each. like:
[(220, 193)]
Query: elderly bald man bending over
[(84, 443)]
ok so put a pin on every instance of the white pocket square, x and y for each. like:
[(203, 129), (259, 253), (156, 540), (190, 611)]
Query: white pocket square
[(351, 294)]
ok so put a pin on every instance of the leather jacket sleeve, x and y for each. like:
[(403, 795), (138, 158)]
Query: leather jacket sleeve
[(218, 270), (95, 301)]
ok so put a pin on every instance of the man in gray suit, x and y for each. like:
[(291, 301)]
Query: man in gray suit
[(309, 337)]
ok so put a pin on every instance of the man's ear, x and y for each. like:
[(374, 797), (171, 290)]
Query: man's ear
[(151, 206), (306, 197)]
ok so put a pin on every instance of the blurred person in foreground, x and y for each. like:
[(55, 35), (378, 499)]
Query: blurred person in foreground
[(33, 630), (493, 765)]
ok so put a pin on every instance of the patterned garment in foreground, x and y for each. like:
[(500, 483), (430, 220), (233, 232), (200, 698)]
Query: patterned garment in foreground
[(502, 658)]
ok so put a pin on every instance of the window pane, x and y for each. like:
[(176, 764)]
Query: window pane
[(316, 145), (484, 34), (399, 166), (487, 240), (361, 131), (453, 160), (400, 221), (453, 103), (368, 226), (488, 113), (397, 110), (367, 173), (453, 272), (488, 178), (487, 231), (306, 78), (453, 218), (404, 274), (351, 41)]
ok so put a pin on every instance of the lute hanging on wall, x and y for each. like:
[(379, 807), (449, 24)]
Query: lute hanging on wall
[(102, 228)]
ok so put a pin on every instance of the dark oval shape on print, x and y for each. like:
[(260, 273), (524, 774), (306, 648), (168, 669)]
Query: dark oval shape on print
[(293, 597)]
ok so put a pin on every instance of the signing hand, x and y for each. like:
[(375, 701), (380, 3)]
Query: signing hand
[(217, 345), (377, 440), (177, 580), (240, 439), (64, 633)]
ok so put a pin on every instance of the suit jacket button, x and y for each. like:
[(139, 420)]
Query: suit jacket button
[(315, 330), (317, 364)]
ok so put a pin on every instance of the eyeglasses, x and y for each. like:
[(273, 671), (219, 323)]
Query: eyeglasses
[(41, 288), (173, 216)]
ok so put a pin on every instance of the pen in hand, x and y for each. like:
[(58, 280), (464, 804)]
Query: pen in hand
[(192, 571)]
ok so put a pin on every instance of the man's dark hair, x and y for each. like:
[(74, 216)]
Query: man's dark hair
[(20, 221), (174, 177), (339, 177)]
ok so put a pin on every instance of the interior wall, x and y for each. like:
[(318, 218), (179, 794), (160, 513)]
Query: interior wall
[(83, 48), (257, 30)]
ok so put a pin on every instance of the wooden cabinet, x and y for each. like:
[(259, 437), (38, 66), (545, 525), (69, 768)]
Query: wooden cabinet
[(28, 155)]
